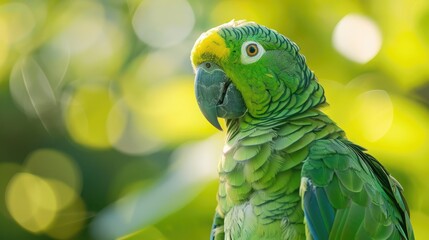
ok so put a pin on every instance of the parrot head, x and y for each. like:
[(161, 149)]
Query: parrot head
[(245, 69)]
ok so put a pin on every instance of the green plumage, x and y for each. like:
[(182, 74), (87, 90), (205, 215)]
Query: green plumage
[(287, 170)]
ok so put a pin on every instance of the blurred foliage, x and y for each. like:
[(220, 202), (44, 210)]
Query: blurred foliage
[(101, 136)]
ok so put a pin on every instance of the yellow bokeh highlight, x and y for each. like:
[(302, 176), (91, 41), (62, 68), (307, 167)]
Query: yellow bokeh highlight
[(31, 202), (42, 195), (170, 112), (87, 115), (406, 49), (64, 194), (375, 110), (407, 57), (55, 165), (408, 137)]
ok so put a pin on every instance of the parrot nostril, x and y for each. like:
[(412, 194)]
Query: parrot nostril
[(208, 65)]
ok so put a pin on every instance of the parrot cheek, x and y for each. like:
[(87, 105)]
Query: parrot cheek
[(216, 95)]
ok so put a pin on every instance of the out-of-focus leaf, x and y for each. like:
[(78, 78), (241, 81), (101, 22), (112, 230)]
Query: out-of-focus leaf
[(55, 63), (31, 89)]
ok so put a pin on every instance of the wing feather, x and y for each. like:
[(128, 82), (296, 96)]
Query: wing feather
[(348, 194)]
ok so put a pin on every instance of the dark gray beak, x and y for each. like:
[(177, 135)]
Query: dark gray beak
[(216, 95)]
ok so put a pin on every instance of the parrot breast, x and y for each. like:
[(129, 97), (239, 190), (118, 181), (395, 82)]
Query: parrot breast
[(260, 175)]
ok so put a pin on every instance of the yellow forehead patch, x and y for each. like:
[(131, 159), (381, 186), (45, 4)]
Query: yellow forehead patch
[(210, 46)]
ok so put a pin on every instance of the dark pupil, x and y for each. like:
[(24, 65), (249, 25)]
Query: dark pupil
[(208, 65), (252, 50)]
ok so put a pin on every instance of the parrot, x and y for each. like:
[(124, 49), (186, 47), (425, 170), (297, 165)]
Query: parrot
[(286, 171)]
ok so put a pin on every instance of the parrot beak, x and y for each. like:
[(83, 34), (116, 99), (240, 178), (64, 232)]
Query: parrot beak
[(216, 95)]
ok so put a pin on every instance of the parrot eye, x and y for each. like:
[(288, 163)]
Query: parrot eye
[(251, 52)]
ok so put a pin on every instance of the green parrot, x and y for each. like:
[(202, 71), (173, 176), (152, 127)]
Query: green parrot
[(287, 170)]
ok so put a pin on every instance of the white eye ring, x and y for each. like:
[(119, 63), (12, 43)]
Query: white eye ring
[(251, 52)]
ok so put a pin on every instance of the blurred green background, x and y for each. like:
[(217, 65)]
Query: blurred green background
[(100, 133)]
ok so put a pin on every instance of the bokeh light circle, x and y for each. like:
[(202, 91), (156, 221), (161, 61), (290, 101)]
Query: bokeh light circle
[(59, 171), (42, 195), (163, 23), (55, 165), (84, 22), (87, 115), (31, 202), (357, 38), (20, 20)]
